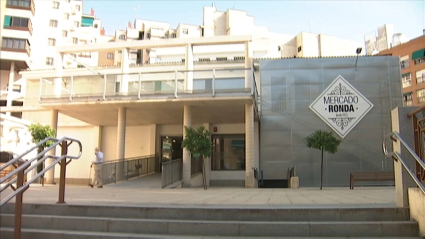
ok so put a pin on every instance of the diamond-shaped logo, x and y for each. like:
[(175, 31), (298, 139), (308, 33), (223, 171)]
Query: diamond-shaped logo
[(341, 106)]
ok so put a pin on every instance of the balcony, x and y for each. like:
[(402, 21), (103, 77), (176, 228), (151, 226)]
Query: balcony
[(21, 4), (15, 45), (155, 85)]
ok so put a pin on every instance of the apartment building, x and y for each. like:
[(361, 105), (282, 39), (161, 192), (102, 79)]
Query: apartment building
[(232, 22), (16, 37), (412, 63), (65, 25)]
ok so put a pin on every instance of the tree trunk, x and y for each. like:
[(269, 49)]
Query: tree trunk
[(204, 177), (321, 172)]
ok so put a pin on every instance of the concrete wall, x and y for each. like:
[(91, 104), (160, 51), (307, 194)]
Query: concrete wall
[(417, 208)]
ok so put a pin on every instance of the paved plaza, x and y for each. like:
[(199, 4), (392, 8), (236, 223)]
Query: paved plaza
[(146, 191)]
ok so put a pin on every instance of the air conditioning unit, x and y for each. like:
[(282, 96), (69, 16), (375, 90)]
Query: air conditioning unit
[(73, 11), (72, 29)]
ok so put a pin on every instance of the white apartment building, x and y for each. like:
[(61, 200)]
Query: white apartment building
[(64, 25), (232, 22)]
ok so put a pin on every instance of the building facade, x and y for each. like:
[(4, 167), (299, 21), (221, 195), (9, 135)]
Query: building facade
[(412, 64)]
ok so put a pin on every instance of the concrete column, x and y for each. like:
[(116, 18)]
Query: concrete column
[(50, 175), (152, 139), (403, 125), (187, 121), (207, 161), (97, 131), (59, 74), (9, 99), (249, 147), (248, 64), (121, 141), (189, 67), (125, 67)]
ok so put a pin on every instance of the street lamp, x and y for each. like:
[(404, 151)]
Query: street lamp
[(358, 51)]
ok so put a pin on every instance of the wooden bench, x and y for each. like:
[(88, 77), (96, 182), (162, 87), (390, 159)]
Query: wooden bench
[(370, 176)]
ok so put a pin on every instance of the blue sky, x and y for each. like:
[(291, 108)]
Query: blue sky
[(344, 19)]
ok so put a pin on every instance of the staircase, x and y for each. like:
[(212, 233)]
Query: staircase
[(64, 221)]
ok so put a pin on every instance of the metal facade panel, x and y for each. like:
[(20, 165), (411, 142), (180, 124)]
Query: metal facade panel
[(289, 86)]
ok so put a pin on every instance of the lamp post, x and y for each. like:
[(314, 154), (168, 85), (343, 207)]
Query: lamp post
[(358, 51)]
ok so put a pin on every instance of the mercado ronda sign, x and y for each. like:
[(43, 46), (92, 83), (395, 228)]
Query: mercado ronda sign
[(341, 106)]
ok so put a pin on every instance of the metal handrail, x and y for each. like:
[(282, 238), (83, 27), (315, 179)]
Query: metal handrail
[(24, 167), (396, 156)]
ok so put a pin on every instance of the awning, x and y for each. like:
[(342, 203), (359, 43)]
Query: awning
[(7, 20), (87, 22), (418, 54)]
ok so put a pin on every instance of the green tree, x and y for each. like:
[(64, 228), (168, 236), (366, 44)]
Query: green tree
[(324, 141), (198, 142), (38, 134)]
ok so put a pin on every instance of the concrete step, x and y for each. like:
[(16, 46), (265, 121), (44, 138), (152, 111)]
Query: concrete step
[(216, 228), (225, 214), (7, 232)]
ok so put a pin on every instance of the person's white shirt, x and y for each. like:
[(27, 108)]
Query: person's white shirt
[(98, 158)]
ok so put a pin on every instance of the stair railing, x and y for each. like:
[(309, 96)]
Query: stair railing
[(394, 136), (22, 167)]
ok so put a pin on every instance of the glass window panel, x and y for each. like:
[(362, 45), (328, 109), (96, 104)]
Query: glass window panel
[(9, 43), (24, 22), (15, 43), (228, 152), (22, 44)]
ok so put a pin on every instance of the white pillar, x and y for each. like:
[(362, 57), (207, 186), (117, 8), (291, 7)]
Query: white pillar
[(189, 67), (121, 141), (9, 99), (249, 147), (50, 175), (59, 74), (125, 67), (248, 64), (152, 139), (187, 121), (403, 125), (207, 161)]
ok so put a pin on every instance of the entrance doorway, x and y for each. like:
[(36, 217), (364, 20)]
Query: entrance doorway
[(171, 148)]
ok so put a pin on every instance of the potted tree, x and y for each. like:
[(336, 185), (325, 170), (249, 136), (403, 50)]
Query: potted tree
[(38, 134), (198, 142), (324, 141)]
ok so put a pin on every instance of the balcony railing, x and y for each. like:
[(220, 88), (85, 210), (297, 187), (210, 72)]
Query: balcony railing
[(175, 84)]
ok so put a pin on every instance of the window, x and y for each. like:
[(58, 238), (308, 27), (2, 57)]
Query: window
[(204, 59), (420, 94), (166, 36), (53, 23), (85, 54), (404, 62), (66, 16), (419, 56), (407, 99), (76, 23), (221, 58), (406, 80), (173, 35), (56, 5), (51, 42), (148, 35), (14, 43), (78, 7), (19, 3), (122, 37), (49, 61), (110, 56), (185, 31), (120, 51), (96, 26), (228, 152), (10, 21), (64, 33), (75, 40), (239, 58), (299, 48), (420, 76)]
